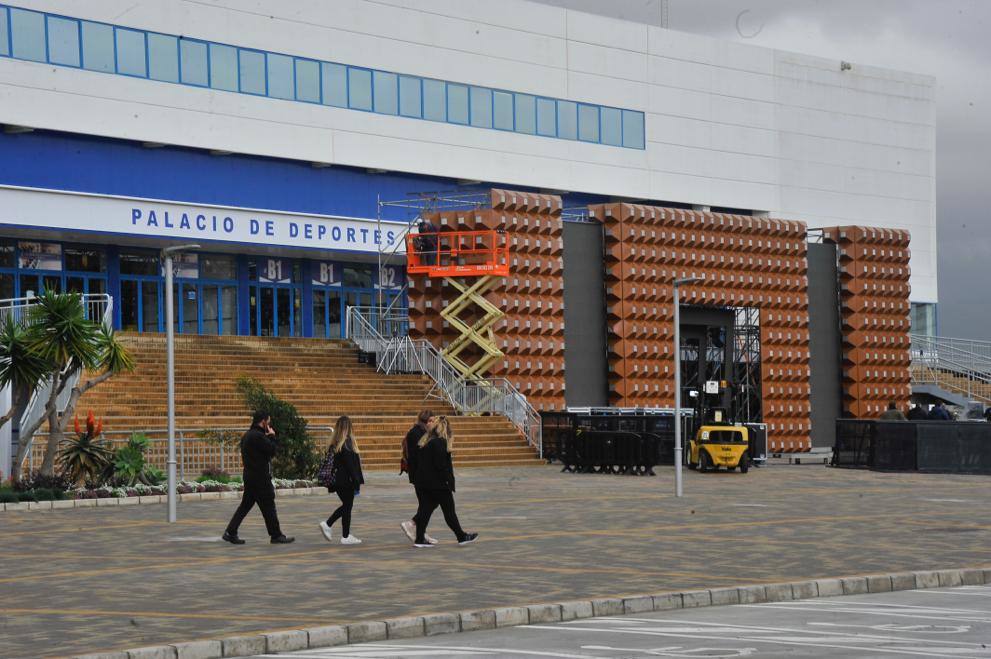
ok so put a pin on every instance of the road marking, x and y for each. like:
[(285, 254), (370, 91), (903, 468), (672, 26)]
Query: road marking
[(194, 538), (679, 651), (956, 594), (749, 505), (920, 629), (878, 612), (948, 500), (376, 651)]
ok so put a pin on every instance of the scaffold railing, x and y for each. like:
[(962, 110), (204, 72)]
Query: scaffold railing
[(401, 354), (960, 366)]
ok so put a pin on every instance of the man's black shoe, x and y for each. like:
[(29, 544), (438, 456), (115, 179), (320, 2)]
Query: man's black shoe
[(233, 539), (282, 540), (468, 539)]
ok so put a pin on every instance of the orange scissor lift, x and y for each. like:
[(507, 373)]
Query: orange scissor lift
[(472, 262)]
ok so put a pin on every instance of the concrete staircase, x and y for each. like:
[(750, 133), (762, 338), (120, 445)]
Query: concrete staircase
[(322, 378)]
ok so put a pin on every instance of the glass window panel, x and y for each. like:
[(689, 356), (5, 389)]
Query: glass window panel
[(163, 57), (481, 107), (4, 44), (129, 305), (319, 313), (132, 263), (7, 286), (98, 47), (149, 307), (28, 32), (335, 84), (359, 88), (457, 104), (410, 98), (386, 92), (434, 101), (546, 117), (567, 120), (280, 77), (190, 309), (7, 257), (211, 310), (633, 129), (502, 104), (84, 259), (358, 275), (217, 267), (252, 72), (334, 329), (526, 114), (223, 67), (193, 62), (131, 53), (308, 80), (228, 310), (63, 41), (588, 123), (612, 126)]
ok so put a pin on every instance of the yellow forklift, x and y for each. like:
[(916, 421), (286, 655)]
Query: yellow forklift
[(717, 442)]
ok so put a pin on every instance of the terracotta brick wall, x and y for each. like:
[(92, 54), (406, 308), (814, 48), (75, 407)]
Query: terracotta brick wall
[(531, 335), (874, 290), (746, 262)]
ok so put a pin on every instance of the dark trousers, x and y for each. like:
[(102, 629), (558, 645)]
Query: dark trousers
[(429, 500), (343, 512), (265, 498)]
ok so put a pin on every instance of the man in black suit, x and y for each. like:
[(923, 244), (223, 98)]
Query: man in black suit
[(258, 447)]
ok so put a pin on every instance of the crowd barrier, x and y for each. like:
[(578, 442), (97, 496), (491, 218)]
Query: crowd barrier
[(925, 446)]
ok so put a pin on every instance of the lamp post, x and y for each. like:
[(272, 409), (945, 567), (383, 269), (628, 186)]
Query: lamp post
[(170, 368), (677, 382)]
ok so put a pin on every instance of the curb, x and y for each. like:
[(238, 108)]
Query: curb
[(69, 504), (469, 621)]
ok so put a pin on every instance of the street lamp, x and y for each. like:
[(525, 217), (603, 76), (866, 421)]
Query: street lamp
[(677, 382), (170, 368)]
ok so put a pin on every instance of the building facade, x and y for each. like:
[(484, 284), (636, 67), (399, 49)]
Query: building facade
[(279, 137)]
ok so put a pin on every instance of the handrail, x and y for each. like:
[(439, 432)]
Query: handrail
[(934, 358), (401, 354)]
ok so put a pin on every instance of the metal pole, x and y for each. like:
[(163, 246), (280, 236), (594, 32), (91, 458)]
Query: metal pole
[(677, 394), (170, 368)]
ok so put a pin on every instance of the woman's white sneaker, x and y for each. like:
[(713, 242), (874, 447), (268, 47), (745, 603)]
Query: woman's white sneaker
[(425, 545), (350, 540), (327, 531)]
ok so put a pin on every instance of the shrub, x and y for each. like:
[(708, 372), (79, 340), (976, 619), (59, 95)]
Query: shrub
[(297, 456), (215, 473), (37, 481), (129, 463), (85, 457), (8, 496)]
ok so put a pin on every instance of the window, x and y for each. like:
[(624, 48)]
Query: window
[(434, 100), (526, 114), (280, 77), (502, 110), (546, 117), (98, 47), (192, 62), (4, 43), (163, 57), (481, 107), (83, 259), (588, 123), (131, 53), (457, 104), (63, 41), (223, 67), (358, 275), (335, 84), (308, 80), (567, 120), (359, 88), (252, 72), (410, 97), (139, 263), (218, 267), (28, 34), (633, 129), (611, 121), (386, 93)]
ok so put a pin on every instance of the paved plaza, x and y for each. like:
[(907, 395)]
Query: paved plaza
[(91, 579)]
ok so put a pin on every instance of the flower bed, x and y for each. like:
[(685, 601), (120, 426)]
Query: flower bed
[(182, 487)]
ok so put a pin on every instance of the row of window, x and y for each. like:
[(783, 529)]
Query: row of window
[(40, 37)]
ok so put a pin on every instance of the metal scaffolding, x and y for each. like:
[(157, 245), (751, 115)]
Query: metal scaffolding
[(746, 400)]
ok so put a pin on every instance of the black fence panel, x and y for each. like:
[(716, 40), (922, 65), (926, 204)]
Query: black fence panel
[(894, 446), (854, 443), (928, 446)]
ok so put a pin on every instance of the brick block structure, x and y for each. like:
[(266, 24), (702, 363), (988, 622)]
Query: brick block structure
[(746, 262), (874, 290), (531, 335)]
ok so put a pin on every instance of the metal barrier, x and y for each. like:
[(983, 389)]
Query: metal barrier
[(926, 446), (401, 354), (957, 365)]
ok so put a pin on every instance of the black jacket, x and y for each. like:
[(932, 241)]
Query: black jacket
[(412, 448), (257, 451), (434, 468), (349, 476)]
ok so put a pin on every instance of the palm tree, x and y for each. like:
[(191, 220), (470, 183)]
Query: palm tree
[(59, 334), (20, 369)]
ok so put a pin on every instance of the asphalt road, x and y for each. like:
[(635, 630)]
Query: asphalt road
[(952, 622)]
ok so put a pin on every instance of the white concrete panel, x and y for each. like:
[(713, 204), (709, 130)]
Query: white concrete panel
[(604, 61), (610, 32)]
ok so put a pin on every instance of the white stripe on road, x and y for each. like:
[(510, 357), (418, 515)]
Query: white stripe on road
[(374, 651)]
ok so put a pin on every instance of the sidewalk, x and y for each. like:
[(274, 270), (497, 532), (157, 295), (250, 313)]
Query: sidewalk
[(83, 580)]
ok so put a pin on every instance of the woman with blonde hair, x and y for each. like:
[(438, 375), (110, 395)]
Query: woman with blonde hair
[(347, 481), (434, 479)]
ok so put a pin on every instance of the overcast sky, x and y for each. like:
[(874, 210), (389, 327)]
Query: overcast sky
[(948, 39)]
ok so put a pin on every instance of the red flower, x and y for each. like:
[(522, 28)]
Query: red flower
[(75, 424)]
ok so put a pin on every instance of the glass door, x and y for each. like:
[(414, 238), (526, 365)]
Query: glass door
[(327, 313)]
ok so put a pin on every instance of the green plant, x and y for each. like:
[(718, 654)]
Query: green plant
[(297, 456), (130, 466), (85, 457), (8, 496)]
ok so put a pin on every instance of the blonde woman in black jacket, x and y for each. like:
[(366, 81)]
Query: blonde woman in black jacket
[(349, 479), (434, 480)]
